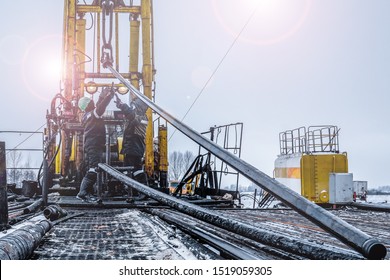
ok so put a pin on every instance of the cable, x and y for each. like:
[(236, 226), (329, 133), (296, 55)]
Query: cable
[(216, 69), (31, 135)]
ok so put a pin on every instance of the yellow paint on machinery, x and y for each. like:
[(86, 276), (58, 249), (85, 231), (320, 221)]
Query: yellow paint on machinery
[(315, 170), (81, 67), (307, 158)]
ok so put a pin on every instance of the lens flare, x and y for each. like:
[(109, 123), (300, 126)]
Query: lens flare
[(273, 21), (41, 67), (12, 48)]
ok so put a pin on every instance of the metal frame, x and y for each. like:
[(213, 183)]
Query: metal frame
[(314, 139)]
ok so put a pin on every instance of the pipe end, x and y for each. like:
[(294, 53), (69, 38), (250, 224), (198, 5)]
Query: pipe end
[(374, 250)]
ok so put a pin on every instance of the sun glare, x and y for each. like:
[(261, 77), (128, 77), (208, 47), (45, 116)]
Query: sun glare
[(41, 67), (271, 21)]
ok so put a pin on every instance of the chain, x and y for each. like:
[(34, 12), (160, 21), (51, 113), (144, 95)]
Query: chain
[(107, 11)]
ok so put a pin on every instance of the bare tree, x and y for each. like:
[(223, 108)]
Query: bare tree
[(29, 174), (175, 165), (14, 159), (179, 163), (188, 158)]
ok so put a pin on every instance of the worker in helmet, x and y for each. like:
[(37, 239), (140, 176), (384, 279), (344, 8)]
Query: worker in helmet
[(94, 138), (133, 147)]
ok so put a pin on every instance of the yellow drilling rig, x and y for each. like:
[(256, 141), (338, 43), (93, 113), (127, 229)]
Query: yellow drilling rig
[(119, 35)]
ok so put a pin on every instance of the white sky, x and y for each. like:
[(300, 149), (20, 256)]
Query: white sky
[(297, 63)]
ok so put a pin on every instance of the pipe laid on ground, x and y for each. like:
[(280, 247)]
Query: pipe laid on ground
[(20, 244), (370, 206), (33, 207), (368, 246), (54, 212), (300, 246)]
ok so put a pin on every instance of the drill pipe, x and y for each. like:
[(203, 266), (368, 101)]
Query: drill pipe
[(287, 247), (33, 206), (21, 243), (368, 246), (54, 212), (301, 246)]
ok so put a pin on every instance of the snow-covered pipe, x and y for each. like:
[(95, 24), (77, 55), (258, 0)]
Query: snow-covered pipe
[(20, 244)]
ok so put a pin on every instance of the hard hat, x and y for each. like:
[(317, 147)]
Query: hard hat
[(83, 103)]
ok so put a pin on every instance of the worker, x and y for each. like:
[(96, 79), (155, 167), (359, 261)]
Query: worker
[(94, 138), (133, 147)]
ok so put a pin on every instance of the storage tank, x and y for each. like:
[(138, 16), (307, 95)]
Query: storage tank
[(307, 158)]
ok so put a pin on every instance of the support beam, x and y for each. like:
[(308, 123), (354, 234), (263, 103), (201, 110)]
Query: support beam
[(3, 189)]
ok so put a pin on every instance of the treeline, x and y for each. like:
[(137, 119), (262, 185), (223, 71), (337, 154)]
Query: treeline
[(379, 190)]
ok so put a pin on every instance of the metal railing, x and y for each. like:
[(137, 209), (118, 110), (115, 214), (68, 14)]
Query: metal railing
[(23, 164), (314, 139)]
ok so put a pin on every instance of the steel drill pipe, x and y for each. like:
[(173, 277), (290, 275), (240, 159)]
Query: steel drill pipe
[(368, 246), (54, 212), (301, 247), (20, 244), (33, 206), (286, 248)]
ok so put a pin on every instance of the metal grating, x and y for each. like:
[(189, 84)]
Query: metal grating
[(112, 235)]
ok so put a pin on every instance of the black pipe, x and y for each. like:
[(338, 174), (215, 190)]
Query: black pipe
[(33, 207), (368, 246), (370, 206), (20, 244), (54, 212), (215, 218), (3, 189), (45, 183)]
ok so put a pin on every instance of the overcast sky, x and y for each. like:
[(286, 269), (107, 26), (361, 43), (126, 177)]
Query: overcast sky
[(296, 63)]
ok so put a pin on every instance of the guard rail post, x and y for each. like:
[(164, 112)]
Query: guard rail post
[(3, 189)]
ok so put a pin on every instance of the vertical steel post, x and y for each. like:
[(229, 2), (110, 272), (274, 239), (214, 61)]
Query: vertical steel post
[(3, 189), (45, 182), (147, 78), (117, 41)]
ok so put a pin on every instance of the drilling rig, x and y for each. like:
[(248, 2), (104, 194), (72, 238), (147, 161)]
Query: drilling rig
[(114, 31), (93, 56)]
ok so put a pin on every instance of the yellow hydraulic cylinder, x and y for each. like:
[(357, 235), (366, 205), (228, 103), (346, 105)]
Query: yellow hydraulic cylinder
[(68, 48), (163, 148), (57, 163), (134, 50), (147, 78), (69, 43), (80, 39)]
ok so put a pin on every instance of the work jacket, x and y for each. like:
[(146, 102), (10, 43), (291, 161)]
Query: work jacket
[(93, 123), (134, 132)]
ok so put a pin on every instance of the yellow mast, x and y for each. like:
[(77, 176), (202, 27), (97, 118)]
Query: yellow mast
[(147, 79)]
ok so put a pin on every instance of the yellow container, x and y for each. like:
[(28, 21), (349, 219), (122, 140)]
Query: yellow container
[(315, 169)]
